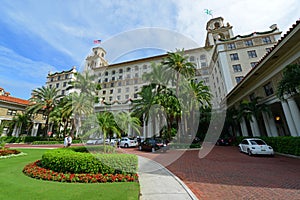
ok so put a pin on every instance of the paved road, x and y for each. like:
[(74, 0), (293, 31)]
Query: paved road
[(227, 174)]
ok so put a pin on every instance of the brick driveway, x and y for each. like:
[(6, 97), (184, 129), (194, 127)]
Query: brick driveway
[(227, 174)]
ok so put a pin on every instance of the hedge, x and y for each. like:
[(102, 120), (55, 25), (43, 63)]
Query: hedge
[(68, 160), (35, 140), (282, 144)]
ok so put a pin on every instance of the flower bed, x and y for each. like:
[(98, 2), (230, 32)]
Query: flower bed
[(5, 152), (35, 171)]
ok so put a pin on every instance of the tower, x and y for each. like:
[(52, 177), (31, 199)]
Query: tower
[(96, 60), (217, 30)]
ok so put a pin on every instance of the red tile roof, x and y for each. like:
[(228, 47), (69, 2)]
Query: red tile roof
[(14, 100)]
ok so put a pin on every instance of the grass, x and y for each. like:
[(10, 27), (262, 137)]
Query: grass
[(15, 185)]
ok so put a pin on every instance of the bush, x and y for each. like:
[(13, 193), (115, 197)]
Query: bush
[(68, 160), (282, 144)]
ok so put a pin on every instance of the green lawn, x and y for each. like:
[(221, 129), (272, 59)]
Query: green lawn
[(15, 185)]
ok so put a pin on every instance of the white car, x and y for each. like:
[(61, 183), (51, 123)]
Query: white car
[(95, 141), (253, 146), (128, 142)]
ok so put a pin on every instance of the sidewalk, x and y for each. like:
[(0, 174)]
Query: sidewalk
[(157, 182)]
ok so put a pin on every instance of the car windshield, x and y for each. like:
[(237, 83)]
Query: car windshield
[(257, 142)]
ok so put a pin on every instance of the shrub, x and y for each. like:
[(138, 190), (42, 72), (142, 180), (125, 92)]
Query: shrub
[(35, 171), (68, 160)]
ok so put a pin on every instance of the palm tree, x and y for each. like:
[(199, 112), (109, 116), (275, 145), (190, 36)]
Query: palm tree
[(290, 83), (85, 84), (125, 119), (177, 62), (158, 76), (102, 123), (19, 122), (43, 101)]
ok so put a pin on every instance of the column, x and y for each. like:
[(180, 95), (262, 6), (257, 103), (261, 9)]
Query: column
[(144, 127), (34, 129), (244, 127), (295, 114), (272, 125), (289, 118), (266, 122), (254, 127)]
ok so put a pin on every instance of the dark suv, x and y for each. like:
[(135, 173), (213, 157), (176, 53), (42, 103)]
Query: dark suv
[(153, 144)]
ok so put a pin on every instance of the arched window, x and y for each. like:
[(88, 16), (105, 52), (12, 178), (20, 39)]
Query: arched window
[(202, 57), (192, 58)]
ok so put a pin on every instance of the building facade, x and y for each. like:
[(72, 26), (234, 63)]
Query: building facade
[(283, 118)]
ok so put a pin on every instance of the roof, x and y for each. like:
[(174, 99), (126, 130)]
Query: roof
[(62, 72), (14, 100)]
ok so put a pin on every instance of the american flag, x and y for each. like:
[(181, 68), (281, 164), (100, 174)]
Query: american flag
[(97, 41)]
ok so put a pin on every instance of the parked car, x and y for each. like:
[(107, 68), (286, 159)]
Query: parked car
[(153, 144), (94, 141), (128, 142), (224, 141), (256, 146), (111, 141)]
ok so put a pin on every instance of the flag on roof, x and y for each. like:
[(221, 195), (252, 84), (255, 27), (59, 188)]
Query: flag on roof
[(208, 12), (97, 41)]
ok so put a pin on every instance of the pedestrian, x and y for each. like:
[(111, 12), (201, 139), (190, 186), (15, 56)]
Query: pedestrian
[(66, 141), (69, 140)]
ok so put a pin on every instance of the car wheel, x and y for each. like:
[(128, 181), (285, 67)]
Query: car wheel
[(152, 149), (126, 145), (140, 148), (249, 152)]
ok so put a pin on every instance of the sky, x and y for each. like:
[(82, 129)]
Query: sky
[(41, 36)]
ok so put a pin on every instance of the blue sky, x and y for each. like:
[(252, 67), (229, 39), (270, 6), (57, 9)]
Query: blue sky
[(39, 36)]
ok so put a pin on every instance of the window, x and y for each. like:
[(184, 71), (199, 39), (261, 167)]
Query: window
[(268, 49), (135, 95), (118, 97), (113, 78), (192, 58), (136, 75), (253, 64), (104, 85), (127, 82), (112, 84), (203, 64), (252, 96), (248, 43), (99, 81), (234, 56), (106, 80), (136, 88), (238, 79), (231, 46), (127, 89), (237, 68), (104, 92), (50, 86), (66, 76), (113, 72), (106, 73), (266, 40), (252, 54), (57, 85), (128, 76), (136, 81), (62, 92), (119, 90), (58, 78), (144, 66), (111, 91), (268, 89), (119, 83), (120, 71), (51, 79), (11, 112), (202, 57), (65, 84), (120, 77), (128, 69), (110, 98), (126, 96), (136, 68)]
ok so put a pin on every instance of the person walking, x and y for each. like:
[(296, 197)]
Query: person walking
[(69, 140), (66, 141)]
